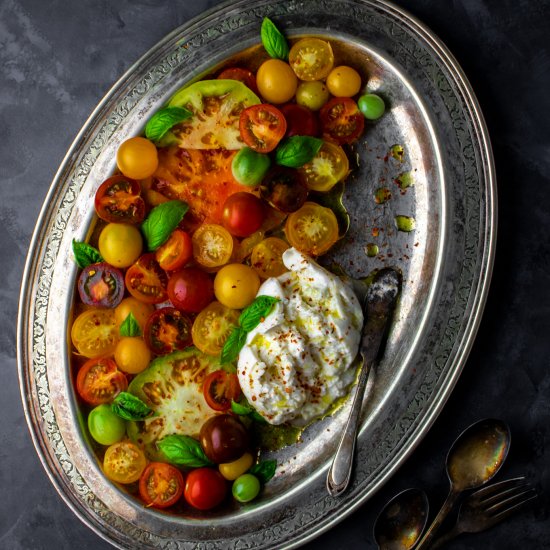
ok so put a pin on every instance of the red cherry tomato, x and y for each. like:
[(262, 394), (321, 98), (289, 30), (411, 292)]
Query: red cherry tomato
[(118, 200), (99, 381), (167, 330), (220, 388), (341, 120), (284, 189), (243, 214), (161, 485), (262, 127), (300, 120), (242, 75), (205, 488), (101, 285), (190, 289), (176, 251), (146, 281)]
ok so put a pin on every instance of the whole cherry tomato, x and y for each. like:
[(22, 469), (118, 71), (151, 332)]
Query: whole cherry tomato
[(190, 289), (243, 214), (205, 488)]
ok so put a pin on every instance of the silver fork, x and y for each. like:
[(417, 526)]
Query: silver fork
[(489, 506)]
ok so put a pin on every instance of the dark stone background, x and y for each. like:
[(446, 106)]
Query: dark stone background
[(58, 59)]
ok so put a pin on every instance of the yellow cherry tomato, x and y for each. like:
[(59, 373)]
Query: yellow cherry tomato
[(120, 244), (343, 81), (95, 333), (137, 158), (267, 257), (213, 326), (236, 285), (124, 462), (311, 58), (235, 469), (329, 166), (132, 354), (212, 245), (140, 310), (276, 81)]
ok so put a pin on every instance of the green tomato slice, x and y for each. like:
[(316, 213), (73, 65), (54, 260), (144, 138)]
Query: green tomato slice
[(216, 106), (172, 387)]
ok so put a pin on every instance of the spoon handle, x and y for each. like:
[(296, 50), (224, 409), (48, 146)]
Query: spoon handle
[(429, 535)]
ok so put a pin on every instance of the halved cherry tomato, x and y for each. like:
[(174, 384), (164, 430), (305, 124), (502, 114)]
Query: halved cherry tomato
[(243, 214), (212, 245), (284, 189), (161, 485), (242, 75), (167, 330), (205, 488), (95, 332), (146, 281), (267, 257), (327, 168), (124, 462), (101, 285), (176, 251), (313, 229), (118, 200), (212, 327), (341, 120), (190, 289), (262, 127), (311, 58), (300, 121), (220, 388), (99, 381)]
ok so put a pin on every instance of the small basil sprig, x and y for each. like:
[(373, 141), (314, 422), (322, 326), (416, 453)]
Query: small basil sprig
[(184, 451), (249, 319), (130, 326), (274, 42), (296, 151), (163, 120), (243, 408), (264, 470), (85, 254), (161, 221), (130, 407)]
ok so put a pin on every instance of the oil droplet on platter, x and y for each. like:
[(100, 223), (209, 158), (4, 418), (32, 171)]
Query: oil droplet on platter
[(405, 223)]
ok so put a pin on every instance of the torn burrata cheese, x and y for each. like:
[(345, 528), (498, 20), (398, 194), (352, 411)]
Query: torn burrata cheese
[(300, 359)]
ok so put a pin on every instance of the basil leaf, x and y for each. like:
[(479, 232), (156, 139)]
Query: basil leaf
[(242, 409), (274, 42), (85, 254), (130, 407), (233, 345), (296, 151), (259, 309), (184, 451), (130, 326), (163, 120), (264, 470), (161, 221), (257, 417)]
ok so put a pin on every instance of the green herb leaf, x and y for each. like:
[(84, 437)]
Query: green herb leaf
[(85, 254), (130, 326), (233, 345), (161, 221), (274, 42), (130, 407), (296, 151), (259, 309), (163, 120), (242, 409), (184, 451), (257, 417), (264, 470)]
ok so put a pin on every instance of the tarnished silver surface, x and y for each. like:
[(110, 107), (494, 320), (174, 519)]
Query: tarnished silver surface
[(446, 263)]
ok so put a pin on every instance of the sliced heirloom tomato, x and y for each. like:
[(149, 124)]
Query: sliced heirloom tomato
[(95, 332), (262, 127), (167, 330), (220, 388), (341, 120), (242, 75), (312, 229), (311, 58), (124, 462), (146, 281), (99, 381), (212, 327), (329, 166), (161, 485), (176, 251), (101, 285), (118, 200), (212, 245)]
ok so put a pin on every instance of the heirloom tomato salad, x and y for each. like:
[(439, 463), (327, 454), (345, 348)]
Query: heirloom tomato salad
[(202, 316)]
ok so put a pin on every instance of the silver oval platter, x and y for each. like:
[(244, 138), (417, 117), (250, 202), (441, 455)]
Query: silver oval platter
[(430, 150)]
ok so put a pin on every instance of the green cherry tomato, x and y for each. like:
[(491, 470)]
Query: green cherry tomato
[(105, 426), (312, 95), (249, 167), (372, 106), (246, 488)]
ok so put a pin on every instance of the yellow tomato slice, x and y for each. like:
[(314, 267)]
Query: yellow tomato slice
[(212, 245), (311, 59), (95, 332), (267, 257), (329, 166), (213, 326), (124, 462)]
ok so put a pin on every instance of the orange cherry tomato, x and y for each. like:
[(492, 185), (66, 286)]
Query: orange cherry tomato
[(146, 281), (212, 245), (99, 381), (262, 127), (220, 388), (124, 462), (176, 251), (161, 485)]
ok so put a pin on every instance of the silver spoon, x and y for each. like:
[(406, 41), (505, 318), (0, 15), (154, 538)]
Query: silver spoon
[(474, 459), (378, 307), (401, 522)]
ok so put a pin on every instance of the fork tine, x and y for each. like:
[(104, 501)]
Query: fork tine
[(512, 502), (497, 487), (503, 495)]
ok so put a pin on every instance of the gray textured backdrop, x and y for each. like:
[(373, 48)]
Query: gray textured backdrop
[(58, 59)]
